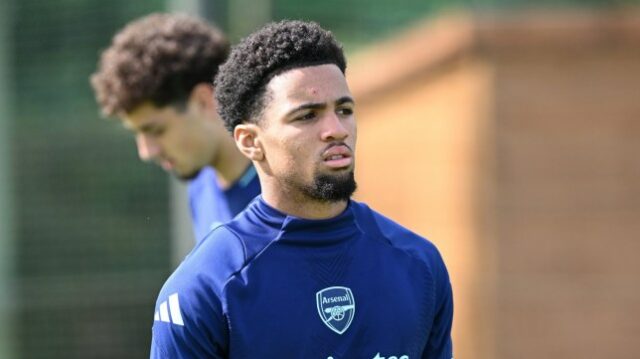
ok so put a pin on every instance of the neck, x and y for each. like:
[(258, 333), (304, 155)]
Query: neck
[(229, 163), (299, 205)]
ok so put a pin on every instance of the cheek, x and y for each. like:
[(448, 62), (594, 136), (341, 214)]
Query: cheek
[(353, 130), (286, 156), (300, 151), (176, 145), (186, 142)]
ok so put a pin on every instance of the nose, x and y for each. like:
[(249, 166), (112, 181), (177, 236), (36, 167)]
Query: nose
[(334, 128), (148, 149)]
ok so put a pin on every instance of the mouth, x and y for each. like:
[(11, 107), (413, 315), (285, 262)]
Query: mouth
[(337, 157)]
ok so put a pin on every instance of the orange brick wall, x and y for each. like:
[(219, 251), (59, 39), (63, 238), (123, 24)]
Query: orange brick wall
[(567, 202), (515, 146), (418, 161)]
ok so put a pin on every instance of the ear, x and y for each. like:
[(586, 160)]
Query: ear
[(202, 96), (248, 142)]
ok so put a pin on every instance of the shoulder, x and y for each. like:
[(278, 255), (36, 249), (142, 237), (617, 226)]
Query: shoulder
[(188, 318), (220, 255), (398, 236), (210, 264), (206, 178)]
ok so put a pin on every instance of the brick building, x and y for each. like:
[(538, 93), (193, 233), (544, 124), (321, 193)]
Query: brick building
[(512, 141)]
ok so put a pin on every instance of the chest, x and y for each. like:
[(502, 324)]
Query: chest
[(351, 302)]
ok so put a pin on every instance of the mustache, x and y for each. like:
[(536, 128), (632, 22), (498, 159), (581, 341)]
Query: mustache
[(336, 143)]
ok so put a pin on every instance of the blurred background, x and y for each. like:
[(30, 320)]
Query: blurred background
[(506, 131)]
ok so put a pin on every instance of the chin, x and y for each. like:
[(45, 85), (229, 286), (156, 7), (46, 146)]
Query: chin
[(333, 187), (187, 176)]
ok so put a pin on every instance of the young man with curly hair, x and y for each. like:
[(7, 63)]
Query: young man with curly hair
[(157, 78), (304, 271)]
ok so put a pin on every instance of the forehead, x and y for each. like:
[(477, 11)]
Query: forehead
[(146, 113), (322, 83)]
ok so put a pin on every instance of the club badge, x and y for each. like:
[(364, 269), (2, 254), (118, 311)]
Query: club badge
[(336, 307)]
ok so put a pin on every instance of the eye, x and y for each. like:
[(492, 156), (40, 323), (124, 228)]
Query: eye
[(306, 116), (345, 111), (155, 131)]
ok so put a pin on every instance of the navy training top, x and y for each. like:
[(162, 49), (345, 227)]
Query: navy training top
[(211, 205), (269, 285)]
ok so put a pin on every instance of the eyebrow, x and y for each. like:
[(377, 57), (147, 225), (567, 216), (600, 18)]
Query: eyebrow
[(320, 105), (345, 99), (146, 128)]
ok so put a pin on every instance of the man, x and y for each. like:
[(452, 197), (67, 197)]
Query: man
[(157, 77), (303, 272)]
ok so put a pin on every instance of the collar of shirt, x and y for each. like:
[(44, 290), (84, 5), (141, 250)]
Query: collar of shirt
[(307, 231)]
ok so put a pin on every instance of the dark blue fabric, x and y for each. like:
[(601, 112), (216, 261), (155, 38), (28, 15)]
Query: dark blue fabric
[(268, 285), (210, 205)]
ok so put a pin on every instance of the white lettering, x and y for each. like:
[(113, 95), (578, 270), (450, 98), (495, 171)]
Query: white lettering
[(378, 356), (337, 299)]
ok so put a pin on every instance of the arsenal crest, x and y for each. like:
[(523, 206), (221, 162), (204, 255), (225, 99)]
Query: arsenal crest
[(336, 308)]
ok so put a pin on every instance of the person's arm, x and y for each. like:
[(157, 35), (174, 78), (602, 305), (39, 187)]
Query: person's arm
[(188, 326), (189, 320), (439, 345)]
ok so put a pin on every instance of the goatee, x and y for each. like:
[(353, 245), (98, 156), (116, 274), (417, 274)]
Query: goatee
[(331, 188)]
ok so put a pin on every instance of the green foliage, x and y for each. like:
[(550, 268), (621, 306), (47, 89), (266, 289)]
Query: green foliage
[(358, 22), (92, 223)]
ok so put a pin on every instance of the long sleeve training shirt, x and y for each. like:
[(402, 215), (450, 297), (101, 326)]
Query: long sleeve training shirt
[(270, 285)]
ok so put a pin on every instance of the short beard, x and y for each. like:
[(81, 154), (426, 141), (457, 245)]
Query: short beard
[(331, 188)]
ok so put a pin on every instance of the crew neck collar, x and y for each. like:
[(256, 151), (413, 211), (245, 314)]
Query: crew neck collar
[(311, 231)]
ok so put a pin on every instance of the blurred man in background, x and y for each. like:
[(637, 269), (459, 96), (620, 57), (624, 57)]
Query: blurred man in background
[(157, 77), (303, 271)]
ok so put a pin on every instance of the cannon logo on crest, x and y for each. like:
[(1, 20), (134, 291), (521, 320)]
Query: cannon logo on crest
[(336, 307)]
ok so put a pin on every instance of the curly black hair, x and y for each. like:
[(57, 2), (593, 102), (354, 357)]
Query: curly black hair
[(158, 58), (277, 47)]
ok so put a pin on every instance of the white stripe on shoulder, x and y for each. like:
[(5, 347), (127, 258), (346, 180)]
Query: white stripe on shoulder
[(174, 307), (164, 313)]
